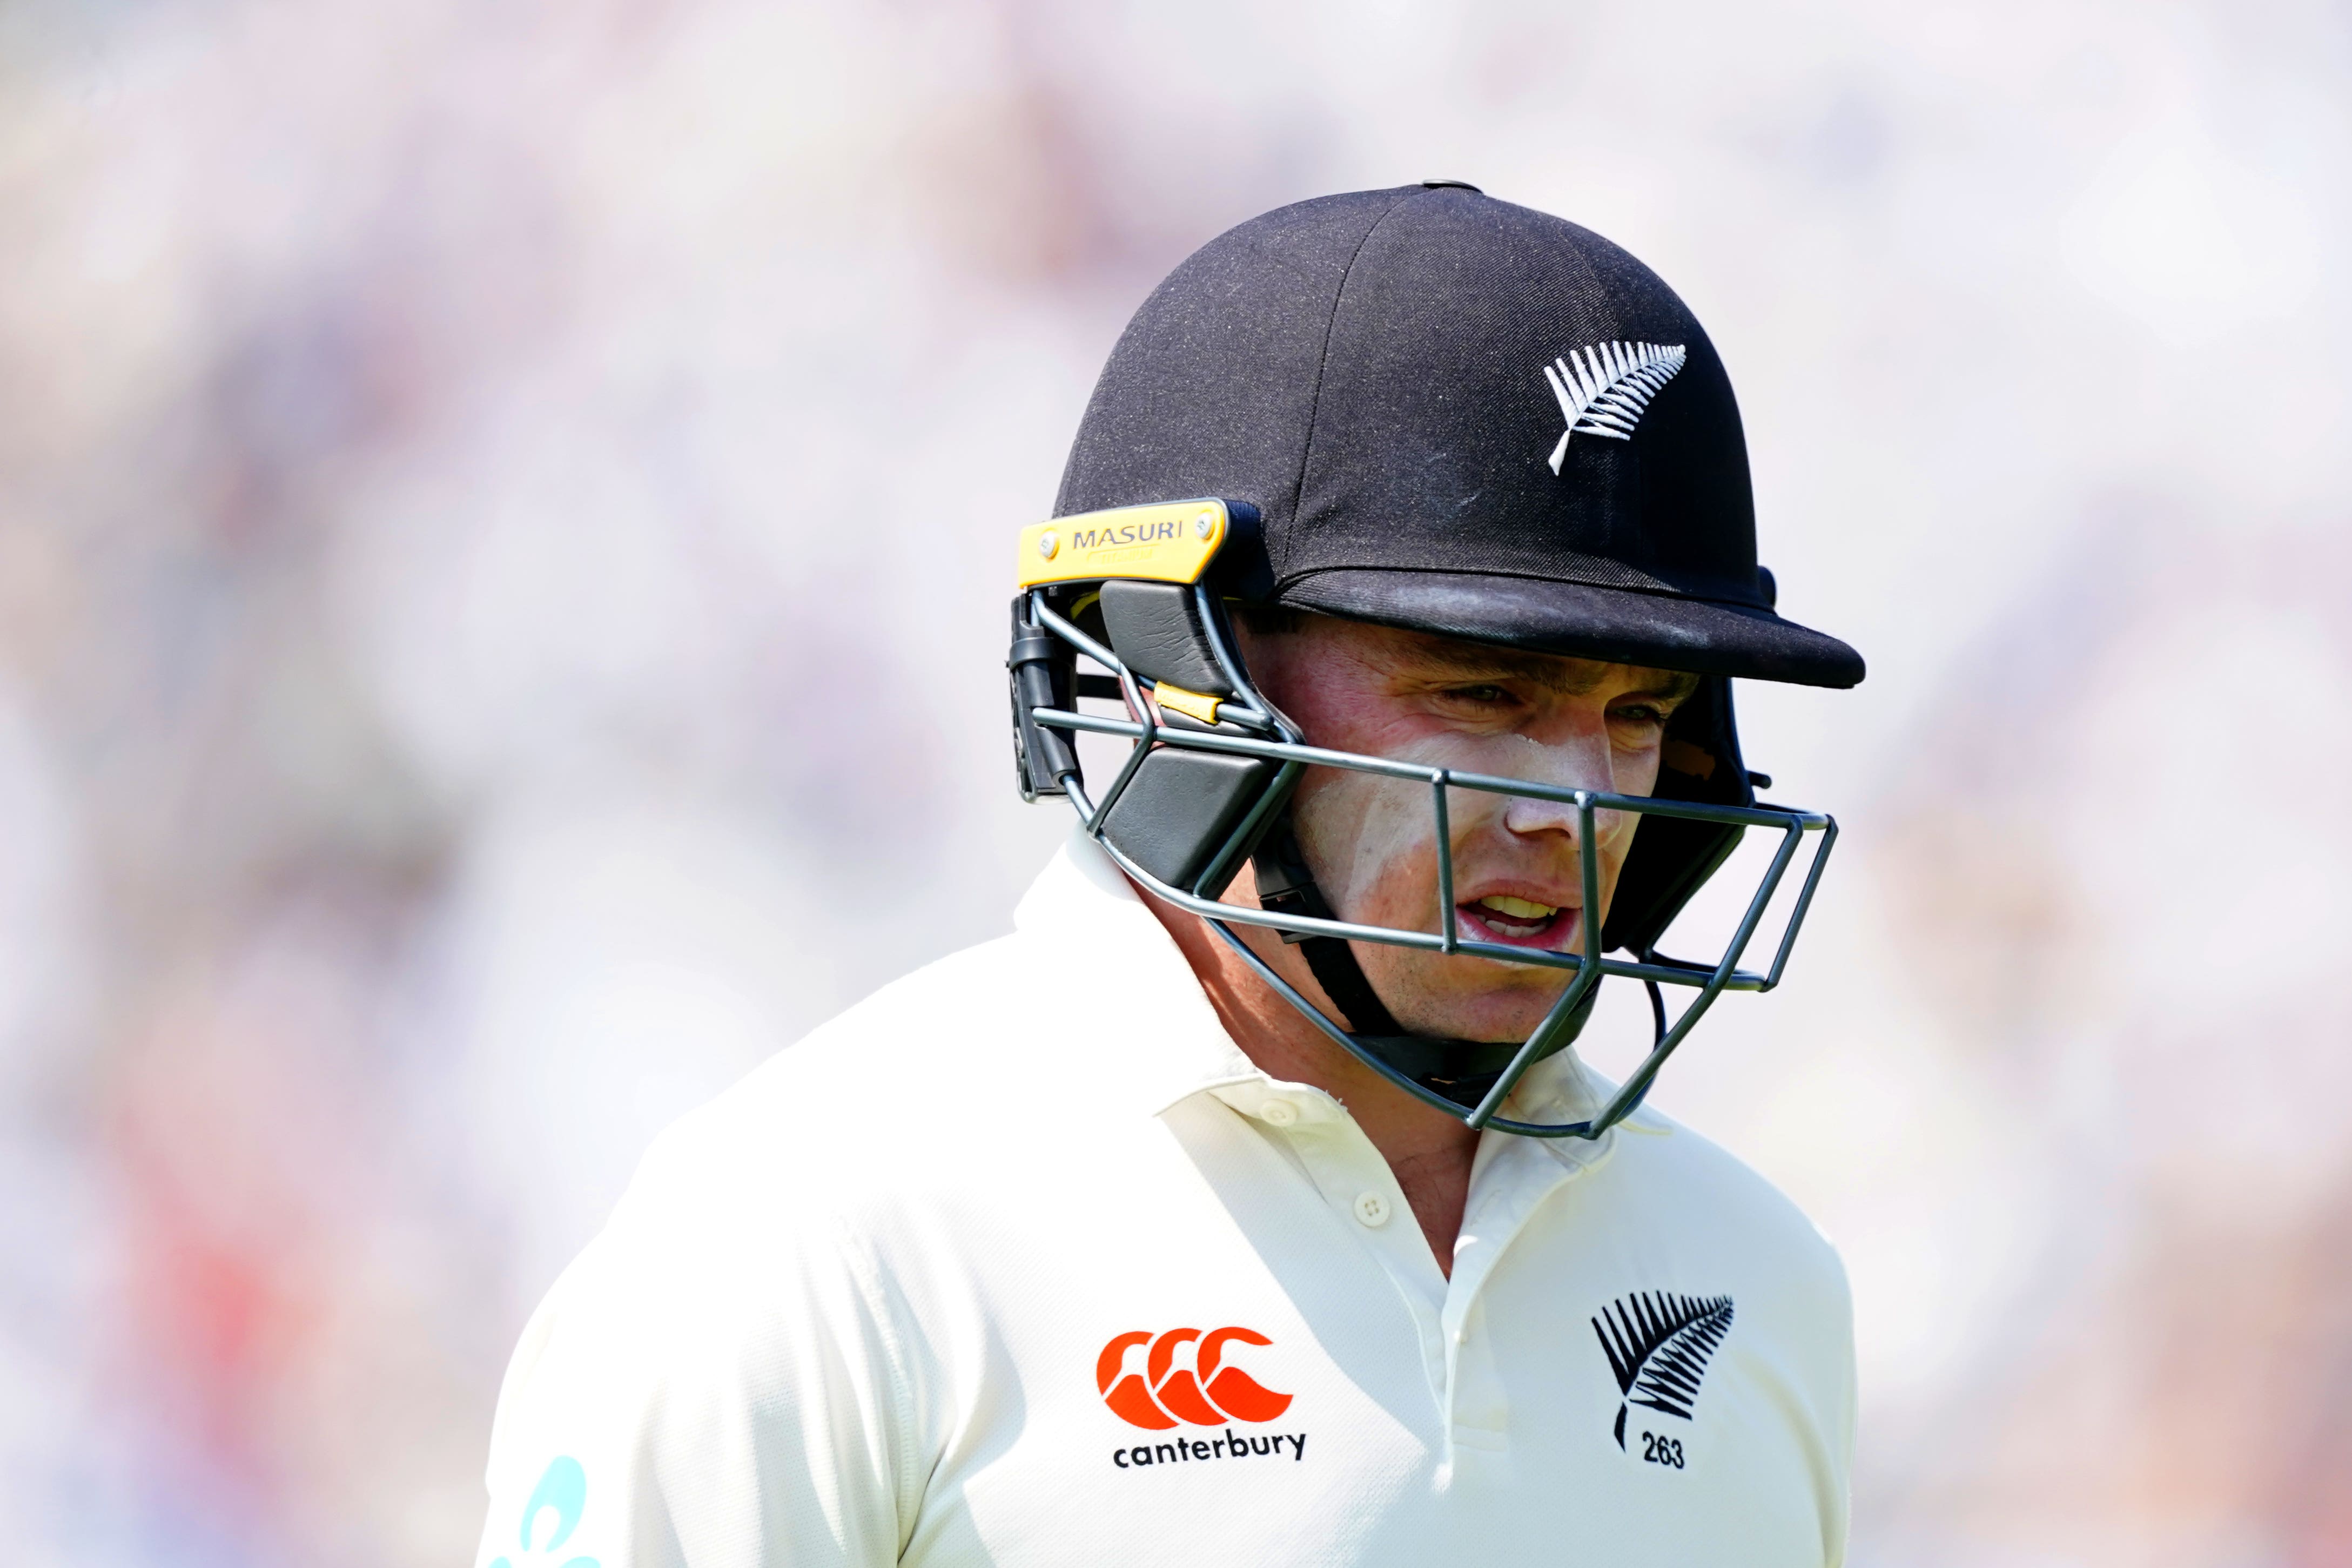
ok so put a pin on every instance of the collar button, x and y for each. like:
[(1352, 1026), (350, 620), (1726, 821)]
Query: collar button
[(1278, 1113), (1371, 1210)]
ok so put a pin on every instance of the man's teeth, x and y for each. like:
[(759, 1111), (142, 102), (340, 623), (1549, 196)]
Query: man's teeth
[(1517, 908)]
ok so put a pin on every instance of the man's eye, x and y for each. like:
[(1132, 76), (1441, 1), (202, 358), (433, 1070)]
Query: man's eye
[(1641, 712), (1479, 693)]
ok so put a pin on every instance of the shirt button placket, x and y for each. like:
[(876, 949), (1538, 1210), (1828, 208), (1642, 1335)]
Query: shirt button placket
[(1349, 1170)]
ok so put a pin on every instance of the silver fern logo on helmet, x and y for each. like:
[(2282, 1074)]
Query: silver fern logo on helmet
[(1602, 390)]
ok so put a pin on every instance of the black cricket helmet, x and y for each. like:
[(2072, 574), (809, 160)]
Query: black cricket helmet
[(1428, 409)]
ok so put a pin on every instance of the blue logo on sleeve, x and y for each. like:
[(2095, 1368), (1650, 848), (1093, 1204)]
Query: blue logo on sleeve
[(563, 1491)]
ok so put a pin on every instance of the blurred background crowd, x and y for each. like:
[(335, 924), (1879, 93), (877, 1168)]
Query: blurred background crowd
[(505, 513)]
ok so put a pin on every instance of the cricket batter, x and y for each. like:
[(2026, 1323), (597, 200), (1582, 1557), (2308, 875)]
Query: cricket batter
[(1248, 1204)]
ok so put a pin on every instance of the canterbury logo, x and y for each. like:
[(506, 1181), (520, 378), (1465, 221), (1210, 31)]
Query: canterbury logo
[(1602, 390), (1197, 1387)]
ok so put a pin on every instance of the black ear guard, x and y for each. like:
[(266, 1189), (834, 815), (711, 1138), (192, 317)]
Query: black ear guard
[(1180, 807), (1672, 857), (1161, 631)]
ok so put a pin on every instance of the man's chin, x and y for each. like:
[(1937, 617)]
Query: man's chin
[(1506, 1019)]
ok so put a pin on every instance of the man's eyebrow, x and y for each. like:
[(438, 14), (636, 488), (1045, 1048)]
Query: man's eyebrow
[(1570, 677), (1678, 686)]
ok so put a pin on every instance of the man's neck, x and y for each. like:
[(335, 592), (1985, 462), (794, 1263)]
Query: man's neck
[(1429, 1151)]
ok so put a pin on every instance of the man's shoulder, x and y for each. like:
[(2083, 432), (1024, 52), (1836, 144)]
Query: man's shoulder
[(777, 1251), (1680, 1181)]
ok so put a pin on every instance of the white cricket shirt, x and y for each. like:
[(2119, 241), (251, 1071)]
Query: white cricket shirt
[(1021, 1262)]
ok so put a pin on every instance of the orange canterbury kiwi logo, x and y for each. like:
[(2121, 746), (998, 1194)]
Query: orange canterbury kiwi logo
[(1161, 1393)]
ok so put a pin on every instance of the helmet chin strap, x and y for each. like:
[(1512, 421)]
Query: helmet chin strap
[(1460, 1070)]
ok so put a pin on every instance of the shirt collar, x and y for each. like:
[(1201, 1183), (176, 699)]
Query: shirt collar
[(1119, 963)]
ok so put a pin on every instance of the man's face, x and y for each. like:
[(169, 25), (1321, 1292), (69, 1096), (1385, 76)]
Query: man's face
[(1371, 843)]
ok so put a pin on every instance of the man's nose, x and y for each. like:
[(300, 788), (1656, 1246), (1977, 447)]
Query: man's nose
[(1581, 762)]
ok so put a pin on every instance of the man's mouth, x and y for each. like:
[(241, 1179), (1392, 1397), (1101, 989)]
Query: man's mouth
[(1519, 921)]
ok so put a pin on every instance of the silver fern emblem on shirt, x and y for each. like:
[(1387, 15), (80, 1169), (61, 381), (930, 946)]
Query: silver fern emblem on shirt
[(1658, 1345), (1602, 390)]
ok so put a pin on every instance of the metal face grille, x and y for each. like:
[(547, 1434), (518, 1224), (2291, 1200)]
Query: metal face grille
[(1250, 728)]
